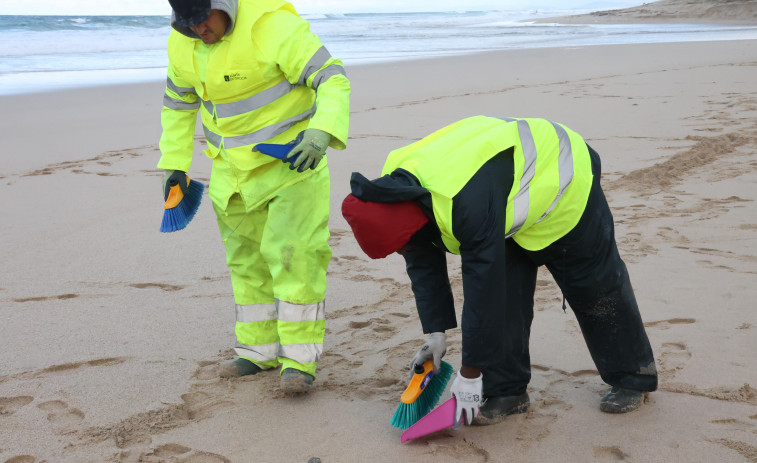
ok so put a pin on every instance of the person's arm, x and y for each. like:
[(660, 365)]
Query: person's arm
[(427, 268), (478, 223), (178, 117), (305, 61)]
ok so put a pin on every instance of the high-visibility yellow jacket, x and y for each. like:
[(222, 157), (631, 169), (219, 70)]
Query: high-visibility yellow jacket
[(262, 82), (550, 186)]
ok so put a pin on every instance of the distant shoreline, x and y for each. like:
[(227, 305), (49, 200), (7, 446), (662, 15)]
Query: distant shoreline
[(669, 12)]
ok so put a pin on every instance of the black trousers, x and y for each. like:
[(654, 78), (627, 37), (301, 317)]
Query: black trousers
[(587, 267)]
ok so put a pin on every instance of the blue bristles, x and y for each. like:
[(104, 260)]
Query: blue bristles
[(407, 415), (178, 217)]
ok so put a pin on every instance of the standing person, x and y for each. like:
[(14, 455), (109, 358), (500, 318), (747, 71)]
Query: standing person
[(256, 73), (507, 195)]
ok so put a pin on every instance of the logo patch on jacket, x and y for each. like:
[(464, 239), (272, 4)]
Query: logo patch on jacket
[(235, 76)]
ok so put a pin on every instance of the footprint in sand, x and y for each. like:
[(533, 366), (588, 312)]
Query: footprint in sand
[(734, 425), (47, 298), (181, 454), (665, 324), (377, 325), (60, 413), (634, 247), (163, 286), (170, 450), (400, 314), (9, 405), (199, 405), (746, 450), (460, 450), (612, 453), (550, 405), (357, 325), (673, 357), (22, 459), (207, 370), (336, 236), (673, 235), (381, 325)]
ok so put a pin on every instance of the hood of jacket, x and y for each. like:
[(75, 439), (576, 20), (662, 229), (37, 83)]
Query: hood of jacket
[(227, 6)]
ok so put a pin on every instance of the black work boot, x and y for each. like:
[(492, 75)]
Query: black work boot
[(496, 409), (238, 367), (294, 381), (620, 400)]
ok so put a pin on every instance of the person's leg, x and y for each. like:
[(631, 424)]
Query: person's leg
[(512, 371), (591, 274), (256, 320), (505, 381), (295, 246)]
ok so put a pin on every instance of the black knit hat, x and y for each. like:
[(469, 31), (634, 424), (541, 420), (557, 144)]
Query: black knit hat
[(190, 13)]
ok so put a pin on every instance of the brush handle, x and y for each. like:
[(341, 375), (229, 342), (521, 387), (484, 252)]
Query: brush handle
[(418, 382)]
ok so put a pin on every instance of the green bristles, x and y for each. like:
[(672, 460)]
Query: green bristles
[(407, 415)]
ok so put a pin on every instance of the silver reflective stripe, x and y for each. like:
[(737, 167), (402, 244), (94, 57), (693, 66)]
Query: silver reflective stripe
[(208, 106), (181, 91), (262, 353), (264, 134), (316, 62), (327, 73), (289, 312), (302, 353), (565, 163), (255, 313), (522, 199), (173, 103), (254, 102), (212, 138)]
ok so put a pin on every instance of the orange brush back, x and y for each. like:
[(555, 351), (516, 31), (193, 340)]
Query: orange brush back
[(419, 381)]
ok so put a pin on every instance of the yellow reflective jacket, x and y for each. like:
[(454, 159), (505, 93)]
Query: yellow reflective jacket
[(550, 186), (260, 83)]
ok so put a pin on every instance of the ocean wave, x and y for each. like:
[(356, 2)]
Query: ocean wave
[(95, 43)]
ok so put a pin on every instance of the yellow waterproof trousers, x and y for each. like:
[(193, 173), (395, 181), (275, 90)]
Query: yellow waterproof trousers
[(278, 253)]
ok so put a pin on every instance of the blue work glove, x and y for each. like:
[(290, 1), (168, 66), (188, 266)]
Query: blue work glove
[(310, 150), (469, 394), (173, 178), (435, 348)]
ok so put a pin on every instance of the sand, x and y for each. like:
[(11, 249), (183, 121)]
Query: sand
[(112, 332)]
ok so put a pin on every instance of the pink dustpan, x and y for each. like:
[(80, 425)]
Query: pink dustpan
[(440, 418)]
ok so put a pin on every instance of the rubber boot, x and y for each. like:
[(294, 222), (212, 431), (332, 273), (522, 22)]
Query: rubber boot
[(238, 367), (496, 409), (295, 381)]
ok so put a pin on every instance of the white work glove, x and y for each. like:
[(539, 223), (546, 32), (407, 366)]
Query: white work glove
[(469, 395), (309, 151), (435, 347)]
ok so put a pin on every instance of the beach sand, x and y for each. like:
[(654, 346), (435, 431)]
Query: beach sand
[(112, 332)]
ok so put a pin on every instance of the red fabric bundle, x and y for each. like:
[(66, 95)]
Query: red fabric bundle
[(382, 228)]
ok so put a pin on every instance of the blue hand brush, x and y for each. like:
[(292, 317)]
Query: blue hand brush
[(279, 151), (180, 208), (422, 393)]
